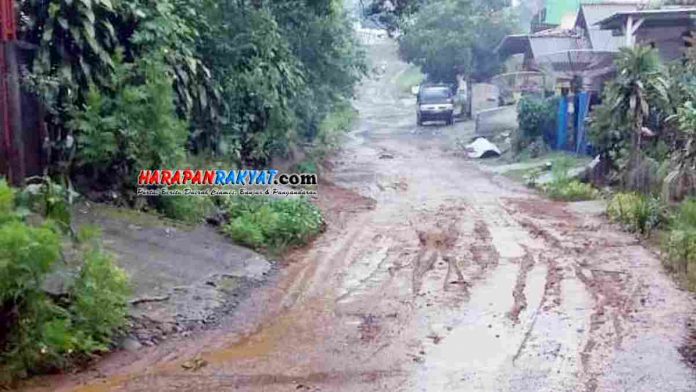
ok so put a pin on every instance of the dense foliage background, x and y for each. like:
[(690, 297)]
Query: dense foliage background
[(135, 83), (457, 37)]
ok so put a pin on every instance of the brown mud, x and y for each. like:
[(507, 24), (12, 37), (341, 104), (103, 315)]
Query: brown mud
[(433, 275)]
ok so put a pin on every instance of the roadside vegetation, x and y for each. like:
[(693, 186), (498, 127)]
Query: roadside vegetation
[(636, 212), (562, 186), (272, 224), (141, 84), (644, 131), (329, 134), (680, 243), (44, 330), (537, 126), (454, 37)]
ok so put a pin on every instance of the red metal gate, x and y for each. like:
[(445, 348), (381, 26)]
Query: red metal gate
[(10, 109)]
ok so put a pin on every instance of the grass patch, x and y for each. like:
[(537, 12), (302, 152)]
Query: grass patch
[(306, 166), (187, 209), (571, 191), (636, 212), (338, 122), (409, 78), (272, 224), (329, 135), (563, 188), (680, 244)]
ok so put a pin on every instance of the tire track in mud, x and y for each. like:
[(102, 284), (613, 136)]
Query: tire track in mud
[(557, 250), (609, 290), (520, 299), (484, 253)]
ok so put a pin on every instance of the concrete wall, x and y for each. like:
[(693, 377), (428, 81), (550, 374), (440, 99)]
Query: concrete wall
[(483, 96), (493, 121)]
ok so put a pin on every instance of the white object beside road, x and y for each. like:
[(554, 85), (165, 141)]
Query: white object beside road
[(482, 148)]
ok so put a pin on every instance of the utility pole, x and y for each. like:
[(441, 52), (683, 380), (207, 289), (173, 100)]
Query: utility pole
[(10, 106)]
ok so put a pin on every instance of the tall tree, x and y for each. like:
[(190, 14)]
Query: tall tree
[(321, 38), (639, 78), (456, 37)]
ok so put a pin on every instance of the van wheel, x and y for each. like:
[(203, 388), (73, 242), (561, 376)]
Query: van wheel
[(450, 121), (419, 121)]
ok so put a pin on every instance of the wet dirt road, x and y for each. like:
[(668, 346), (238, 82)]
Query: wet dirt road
[(434, 275)]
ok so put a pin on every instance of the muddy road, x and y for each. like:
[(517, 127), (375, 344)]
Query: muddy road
[(433, 275)]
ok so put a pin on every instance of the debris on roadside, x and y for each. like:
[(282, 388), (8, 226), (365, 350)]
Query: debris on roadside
[(482, 148)]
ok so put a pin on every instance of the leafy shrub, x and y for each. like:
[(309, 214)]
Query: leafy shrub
[(571, 191), (131, 127), (31, 323), (39, 332), (27, 254), (306, 166), (190, 209), (101, 285), (562, 187), (48, 199), (272, 223), (6, 200), (537, 118), (636, 212), (337, 122), (680, 246), (247, 232)]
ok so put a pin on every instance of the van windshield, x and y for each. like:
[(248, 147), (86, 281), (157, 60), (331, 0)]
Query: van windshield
[(435, 95)]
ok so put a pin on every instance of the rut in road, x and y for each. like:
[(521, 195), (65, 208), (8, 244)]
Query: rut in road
[(435, 275)]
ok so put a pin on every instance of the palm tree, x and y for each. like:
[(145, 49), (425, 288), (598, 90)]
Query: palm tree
[(638, 83)]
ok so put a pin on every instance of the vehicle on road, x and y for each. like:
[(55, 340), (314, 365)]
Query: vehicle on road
[(435, 103)]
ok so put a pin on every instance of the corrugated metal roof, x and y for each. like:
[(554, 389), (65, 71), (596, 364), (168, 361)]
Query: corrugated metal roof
[(652, 18), (513, 44), (605, 40), (591, 13), (555, 32), (540, 42), (543, 45), (594, 12)]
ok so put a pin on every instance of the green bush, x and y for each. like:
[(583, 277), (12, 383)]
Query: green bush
[(6, 200), (536, 118), (48, 199), (40, 332), (133, 125), (101, 285), (273, 224), (27, 255), (189, 209), (306, 166), (571, 191), (339, 121), (636, 212), (680, 246), (247, 232), (562, 187)]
